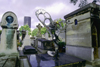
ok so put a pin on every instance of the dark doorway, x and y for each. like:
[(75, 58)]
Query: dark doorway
[(95, 42)]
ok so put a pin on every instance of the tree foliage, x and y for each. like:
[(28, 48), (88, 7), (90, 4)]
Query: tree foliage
[(82, 2), (43, 30), (26, 28), (34, 32), (60, 21), (73, 1)]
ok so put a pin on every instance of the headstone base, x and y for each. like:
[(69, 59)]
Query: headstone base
[(9, 52)]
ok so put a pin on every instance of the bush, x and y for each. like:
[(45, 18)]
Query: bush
[(19, 43), (61, 44)]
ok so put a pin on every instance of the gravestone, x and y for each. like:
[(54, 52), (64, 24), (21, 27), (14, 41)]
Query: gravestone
[(8, 46), (9, 26), (26, 40)]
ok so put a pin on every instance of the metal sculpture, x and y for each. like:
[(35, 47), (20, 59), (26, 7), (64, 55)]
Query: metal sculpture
[(51, 28)]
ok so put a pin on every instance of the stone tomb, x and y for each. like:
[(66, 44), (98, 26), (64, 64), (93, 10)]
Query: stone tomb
[(83, 32)]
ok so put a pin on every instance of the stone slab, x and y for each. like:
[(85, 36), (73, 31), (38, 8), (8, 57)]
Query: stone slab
[(44, 60), (8, 61)]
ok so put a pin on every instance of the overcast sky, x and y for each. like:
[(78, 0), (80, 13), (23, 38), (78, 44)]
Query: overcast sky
[(56, 8)]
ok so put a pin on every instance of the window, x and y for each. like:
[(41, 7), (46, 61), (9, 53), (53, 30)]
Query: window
[(75, 21)]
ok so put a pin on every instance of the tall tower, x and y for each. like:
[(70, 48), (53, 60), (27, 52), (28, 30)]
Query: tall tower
[(27, 21)]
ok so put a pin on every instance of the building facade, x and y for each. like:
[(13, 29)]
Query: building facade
[(27, 21)]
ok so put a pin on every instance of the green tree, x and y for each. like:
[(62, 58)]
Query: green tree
[(34, 32), (43, 30), (81, 4), (73, 1), (60, 21), (26, 28)]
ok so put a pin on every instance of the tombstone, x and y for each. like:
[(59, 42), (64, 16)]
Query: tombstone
[(39, 35), (9, 26), (83, 34), (8, 46), (26, 40)]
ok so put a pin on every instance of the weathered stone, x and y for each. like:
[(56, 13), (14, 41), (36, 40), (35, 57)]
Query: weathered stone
[(8, 61), (9, 25)]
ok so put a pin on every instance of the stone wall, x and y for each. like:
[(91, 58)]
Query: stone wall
[(99, 51), (81, 52), (79, 34), (78, 37)]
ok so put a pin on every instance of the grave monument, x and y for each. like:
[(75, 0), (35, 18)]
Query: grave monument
[(8, 46), (83, 34), (9, 26), (39, 35)]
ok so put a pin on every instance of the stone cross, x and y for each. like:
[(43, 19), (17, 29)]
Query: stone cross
[(39, 32)]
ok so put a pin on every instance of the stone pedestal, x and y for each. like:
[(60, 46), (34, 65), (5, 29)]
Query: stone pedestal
[(8, 46), (8, 41)]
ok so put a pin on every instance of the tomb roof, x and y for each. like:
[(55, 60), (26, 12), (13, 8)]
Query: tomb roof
[(83, 9)]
